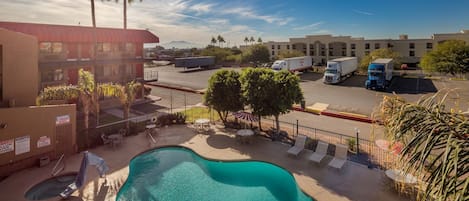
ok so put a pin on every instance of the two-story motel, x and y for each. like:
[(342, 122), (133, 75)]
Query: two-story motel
[(325, 47)]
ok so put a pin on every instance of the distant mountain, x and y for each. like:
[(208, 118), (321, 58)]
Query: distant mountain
[(181, 45)]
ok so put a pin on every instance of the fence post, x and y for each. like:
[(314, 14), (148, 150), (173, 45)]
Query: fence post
[(297, 127), (357, 131)]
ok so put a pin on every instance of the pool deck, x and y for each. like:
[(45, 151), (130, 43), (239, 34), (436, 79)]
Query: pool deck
[(354, 182)]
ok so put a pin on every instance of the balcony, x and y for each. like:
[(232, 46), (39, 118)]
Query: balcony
[(51, 57)]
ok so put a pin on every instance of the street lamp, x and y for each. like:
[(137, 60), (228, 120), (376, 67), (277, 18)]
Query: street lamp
[(357, 131)]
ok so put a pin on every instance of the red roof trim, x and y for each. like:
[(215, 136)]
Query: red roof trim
[(64, 33)]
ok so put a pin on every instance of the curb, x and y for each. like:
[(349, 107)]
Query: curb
[(176, 88), (347, 116)]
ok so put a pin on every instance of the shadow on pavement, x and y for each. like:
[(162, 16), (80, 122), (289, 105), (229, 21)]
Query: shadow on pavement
[(354, 81), (402, 85), (310, 76)]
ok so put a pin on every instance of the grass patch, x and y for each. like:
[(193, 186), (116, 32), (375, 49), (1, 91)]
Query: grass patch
[(200, 112), (457, 79)]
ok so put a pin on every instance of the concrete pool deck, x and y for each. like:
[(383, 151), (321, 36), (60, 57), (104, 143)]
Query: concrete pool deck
[(355, 182)]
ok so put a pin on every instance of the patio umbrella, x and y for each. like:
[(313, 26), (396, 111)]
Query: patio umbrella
[(245, 116)]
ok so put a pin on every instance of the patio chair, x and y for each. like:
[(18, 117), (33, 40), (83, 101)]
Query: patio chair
[(320, 153), (340, 156), (299, 145), (105, 139)]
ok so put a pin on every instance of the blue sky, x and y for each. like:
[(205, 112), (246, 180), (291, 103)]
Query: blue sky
[(197, 20)]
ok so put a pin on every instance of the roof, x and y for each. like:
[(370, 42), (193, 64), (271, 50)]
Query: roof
[(64, 33), (382, 61)]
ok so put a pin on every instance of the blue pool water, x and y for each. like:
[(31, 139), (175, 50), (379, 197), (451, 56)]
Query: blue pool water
[(179, 174)]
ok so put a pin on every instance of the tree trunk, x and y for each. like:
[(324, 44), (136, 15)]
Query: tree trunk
[(126, 117), (260, 125), (277, 123), (221, 117), (86, 110), (125, 14), (93, 17)]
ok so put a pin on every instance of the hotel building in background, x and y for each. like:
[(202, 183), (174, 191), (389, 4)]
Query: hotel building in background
[(326, 47)]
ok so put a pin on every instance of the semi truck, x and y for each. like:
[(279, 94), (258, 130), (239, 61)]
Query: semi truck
[(379, 74), (293, 64), (194, 62), (340, 69)]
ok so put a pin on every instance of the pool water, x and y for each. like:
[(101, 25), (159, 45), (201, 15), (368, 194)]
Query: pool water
[(51, 187), (179, 174)]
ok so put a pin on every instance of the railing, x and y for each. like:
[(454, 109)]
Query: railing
[(54, 170), (367, 153), (151, 75)]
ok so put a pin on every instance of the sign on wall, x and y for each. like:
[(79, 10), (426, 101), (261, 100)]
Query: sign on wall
[(6, 146), (64, 119), (22, 145), (43, 141)]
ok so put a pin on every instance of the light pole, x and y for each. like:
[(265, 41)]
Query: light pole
[(357, 131)]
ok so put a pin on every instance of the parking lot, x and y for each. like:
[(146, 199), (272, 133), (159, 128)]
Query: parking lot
[(348, 96)]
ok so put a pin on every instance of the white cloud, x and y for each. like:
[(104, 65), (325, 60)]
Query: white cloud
[(362, 12), (202, 8), (309, 26), (249, 13)]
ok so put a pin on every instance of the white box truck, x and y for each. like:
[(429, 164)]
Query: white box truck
[(340, 69), (293, 64)]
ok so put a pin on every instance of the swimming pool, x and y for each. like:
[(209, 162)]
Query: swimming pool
[(51, 187), (177, 174)]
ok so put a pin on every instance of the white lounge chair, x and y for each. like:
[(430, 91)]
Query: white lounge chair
[(340, 156), (320, 153), (299, 145)]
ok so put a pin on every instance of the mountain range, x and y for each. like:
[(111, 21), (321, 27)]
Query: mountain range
[(181, 45)]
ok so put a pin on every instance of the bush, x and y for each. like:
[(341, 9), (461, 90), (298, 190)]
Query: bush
[(180, 118), (168, 119), (352, 144)]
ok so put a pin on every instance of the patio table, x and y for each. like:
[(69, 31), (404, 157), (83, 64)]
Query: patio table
[(399, 176), (245, 135), (201, 123)]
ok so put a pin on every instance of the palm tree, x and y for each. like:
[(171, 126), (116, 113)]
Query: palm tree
[(213, 41), (93, 16), (436, 144), (246, 40), (259, 40), (84, 92), (252, 40), (126, 95), (220, 40)]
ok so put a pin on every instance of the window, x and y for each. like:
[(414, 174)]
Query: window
[(273, 53), (293, 46), (312, 53), (376, 45), (129, 69), (111, 70), (352, 46), (278, 46), (129, 47), (330, 53), (288, 47), (390, 45), (411, 45), (429, 45), (323, 53), (273, 46), (367, 52), (52, 75), (103, 47), (343, 53), (311, 46), (367, 46), (411, 53), (50, 47), (352, 53)]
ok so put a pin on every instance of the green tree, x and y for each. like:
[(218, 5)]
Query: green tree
[(380, 53), (220, 54), (436, 145), (449, 57), (259, 40), (84, 92), (290, 54), (287, 93), (246, 40), (257, 85), (213, 41), (257, 54), (220, 40), (224, 93), (252, 40)]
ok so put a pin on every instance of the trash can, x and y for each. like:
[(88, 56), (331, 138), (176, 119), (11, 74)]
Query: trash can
[(43, 161)]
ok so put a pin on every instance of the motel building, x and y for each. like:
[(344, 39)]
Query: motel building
[(34, 56), (326, 47)]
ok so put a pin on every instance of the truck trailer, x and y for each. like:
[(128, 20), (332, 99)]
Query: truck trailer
[(340, 69), (379, 74), (194, 62), (293, 64)]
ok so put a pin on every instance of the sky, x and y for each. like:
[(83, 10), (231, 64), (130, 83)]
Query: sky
[(197, 21)]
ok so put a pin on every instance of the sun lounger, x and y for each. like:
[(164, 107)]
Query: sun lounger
[(340, 156), (320, 153), (299, 145)]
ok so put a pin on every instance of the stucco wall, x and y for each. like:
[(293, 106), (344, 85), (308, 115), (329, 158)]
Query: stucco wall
[(20, 67), (34, 122)]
